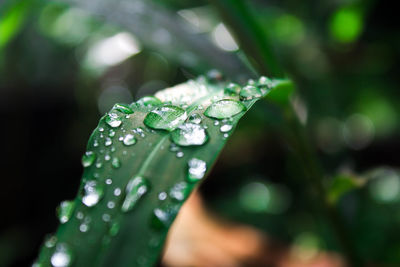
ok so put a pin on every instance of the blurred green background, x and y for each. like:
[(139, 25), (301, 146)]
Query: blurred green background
[(64, 64)]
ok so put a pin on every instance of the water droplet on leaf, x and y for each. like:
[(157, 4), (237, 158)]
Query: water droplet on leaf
[(163, 216), (215, 76), (224, 109), (123, 108), (113, 120), (115, 163), (84, 227), (65, 210), (167, 117), (114, 229), (225, 128), (162, 196), (195, 118), (264, 82), (88, 158), (129, 140), (148, 101), (62, 256), (250, 92), (93, 192), (232, 89), (197, 169), (135, 189), (179, 191), (108, 142), (189, 134), (50, 241)]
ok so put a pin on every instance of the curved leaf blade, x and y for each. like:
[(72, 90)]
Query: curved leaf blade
[(136, 179)]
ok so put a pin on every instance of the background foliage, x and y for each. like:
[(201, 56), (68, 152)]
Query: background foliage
[(57, 77)]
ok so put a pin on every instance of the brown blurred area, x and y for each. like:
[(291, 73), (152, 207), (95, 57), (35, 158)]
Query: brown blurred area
[(200, 238)]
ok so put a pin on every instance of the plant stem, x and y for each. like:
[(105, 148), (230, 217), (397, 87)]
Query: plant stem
[(250, 35), (314, 176)]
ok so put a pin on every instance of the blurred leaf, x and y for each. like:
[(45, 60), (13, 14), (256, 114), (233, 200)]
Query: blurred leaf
[(251, 36), (11, 20), (346, 24), (341, 185), (283, 90), (167, 33)]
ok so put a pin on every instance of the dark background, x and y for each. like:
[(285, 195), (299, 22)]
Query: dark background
[(49, 104)]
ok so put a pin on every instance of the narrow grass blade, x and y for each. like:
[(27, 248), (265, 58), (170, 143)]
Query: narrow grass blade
[(142, 162)]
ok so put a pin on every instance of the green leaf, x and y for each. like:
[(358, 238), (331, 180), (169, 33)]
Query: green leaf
[(341, 185), (11, 20), (131, 191), (283, 90), (162, 30)]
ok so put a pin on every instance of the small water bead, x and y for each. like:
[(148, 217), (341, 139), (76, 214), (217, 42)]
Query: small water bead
[(115, 163), (101, 129), (251, 82), (136, 188), (62, 256), (167, 117), (180, 191), (111, 133), (113, 119), (197, 169), (50, 241), (65, 210), (117, 191), (110, 204), (129, 140), (99, 165), (250, 92), (189, 134), (109, 181), (179, 154), (173, 147), (215, 76), (79, 215), (162, 196), (224, 109), (232, 89), (264, 82), (195, 118), (123, 108), (148, 101), (216, 122), (113, 149), (226, 128), (163, 216), (121, 138), (139, 131), (83, 227), (93, 192), (107, 157), (88, 158), (114, 229), (106, 217), (108, 142), (95, 143), (226, 135)]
